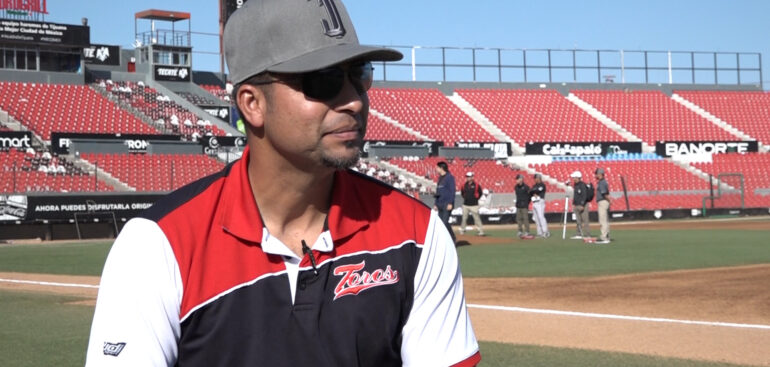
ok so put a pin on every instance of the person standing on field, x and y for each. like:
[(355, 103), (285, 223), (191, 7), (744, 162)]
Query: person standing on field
[(603, 205), (580, 206), (522, 206), (538, 206), (471, 193), (445, 196)]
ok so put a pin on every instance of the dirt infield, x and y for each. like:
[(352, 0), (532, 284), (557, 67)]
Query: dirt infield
[(728, 295)]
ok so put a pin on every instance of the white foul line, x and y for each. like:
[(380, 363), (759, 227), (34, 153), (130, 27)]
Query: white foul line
[(618, 317), (49, 283), (497, 308)]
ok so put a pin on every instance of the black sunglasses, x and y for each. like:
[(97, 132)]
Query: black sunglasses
[(325, 84)]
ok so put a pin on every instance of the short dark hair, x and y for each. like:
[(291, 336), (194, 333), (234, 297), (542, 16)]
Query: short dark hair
[(443, 166)]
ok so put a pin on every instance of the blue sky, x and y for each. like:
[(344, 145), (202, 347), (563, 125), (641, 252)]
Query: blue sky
[(676, 25)]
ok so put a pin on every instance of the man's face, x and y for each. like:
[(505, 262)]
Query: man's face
[(470, 178), (519, 180), (576, 179), (440, 170), (309, 131), (599, 176)]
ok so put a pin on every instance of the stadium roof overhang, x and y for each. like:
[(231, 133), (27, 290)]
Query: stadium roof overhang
[(165, 15)]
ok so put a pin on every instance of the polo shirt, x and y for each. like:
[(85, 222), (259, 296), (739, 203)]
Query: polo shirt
[(197, 280)]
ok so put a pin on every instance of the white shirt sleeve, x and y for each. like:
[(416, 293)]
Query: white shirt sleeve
[(136, 322), (438, 331)]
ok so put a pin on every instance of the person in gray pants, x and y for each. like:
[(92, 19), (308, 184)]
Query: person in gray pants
[(538, 206), (603, 205), (580, 205)]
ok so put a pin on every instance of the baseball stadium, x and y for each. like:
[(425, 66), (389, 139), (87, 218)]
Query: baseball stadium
[(93, 134)]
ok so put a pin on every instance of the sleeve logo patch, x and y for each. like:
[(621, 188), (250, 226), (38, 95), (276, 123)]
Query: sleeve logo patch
[(113, 349), (354, 282)]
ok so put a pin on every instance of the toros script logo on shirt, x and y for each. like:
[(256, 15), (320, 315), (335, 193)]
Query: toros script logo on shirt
[(354, 281)]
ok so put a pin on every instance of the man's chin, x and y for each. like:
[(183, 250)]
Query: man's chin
[(341, 161)]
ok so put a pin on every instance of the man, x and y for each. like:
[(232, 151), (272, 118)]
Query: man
[(603, 205), (285, 258), (471, 193), (445, 196), (580, 205), (522, 206), (538, 206)]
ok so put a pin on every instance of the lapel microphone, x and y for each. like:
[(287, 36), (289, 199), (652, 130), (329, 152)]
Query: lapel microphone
[(307, 250)]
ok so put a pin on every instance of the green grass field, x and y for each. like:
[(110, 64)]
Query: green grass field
[(46, 330), (633, 251)]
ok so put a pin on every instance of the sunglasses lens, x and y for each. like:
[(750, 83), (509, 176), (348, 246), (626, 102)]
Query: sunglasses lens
[(323, 84), (362, 76), (327, 84)]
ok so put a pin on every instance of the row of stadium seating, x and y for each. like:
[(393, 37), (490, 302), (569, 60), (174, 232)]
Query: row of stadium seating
[(157, 172), (22, 172), (651, 180), (44, 108), (547, 116), (161, 109)]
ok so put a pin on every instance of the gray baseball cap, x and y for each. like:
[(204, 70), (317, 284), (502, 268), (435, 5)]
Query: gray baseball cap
[(293, 36)]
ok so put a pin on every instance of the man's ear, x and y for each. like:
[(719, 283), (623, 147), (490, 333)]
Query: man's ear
[(252, 102)]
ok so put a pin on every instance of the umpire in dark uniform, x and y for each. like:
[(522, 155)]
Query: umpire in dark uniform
[(522, 206), (445, 195)]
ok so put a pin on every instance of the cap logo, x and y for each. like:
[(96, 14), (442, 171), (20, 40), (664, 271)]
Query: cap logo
[(333, 24)]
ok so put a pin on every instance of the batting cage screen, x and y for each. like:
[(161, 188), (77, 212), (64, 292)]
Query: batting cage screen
[(727, 192)]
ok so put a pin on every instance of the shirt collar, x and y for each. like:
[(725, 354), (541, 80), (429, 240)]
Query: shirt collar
[(240, 215)]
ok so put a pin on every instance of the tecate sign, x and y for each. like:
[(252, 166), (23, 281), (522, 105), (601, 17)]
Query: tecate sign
[(173, 74)]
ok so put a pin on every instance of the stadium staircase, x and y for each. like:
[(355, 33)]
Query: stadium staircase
[(708, 116), (746, 111), (128, 107), (396, 170), (604, 119), (428, 112), (221, 127), (411, 134), (102, 175), (484, 121), (652, 116)]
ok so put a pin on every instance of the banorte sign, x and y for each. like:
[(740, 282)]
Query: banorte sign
[(38, 6)]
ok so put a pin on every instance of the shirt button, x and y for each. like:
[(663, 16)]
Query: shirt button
[(302, 285)]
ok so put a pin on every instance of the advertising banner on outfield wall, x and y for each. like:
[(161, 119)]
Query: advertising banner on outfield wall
[(64, 207), (25, 31), (502, 150), (15, 139), (213, 144), (674, 148), (431, 145), (561, 149), (137, 143), (102, 55), (220, 112), (172, 73), (13, 207)]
